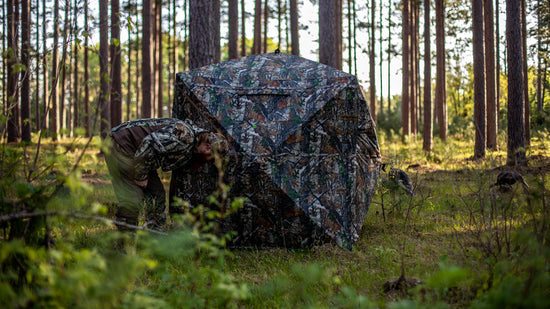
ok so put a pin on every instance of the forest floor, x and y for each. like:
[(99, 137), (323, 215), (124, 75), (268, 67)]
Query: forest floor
[(454, 244)]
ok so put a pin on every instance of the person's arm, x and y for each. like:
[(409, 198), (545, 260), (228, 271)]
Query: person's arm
[(175, 139), (146, 159)]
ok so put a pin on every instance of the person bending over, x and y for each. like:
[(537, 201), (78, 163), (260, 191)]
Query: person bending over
[(139, 147)]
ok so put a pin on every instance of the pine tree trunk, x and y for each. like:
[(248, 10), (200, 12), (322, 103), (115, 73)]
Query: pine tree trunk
[(389, 54), (204, 44), (138, 79), (4, 61), (479, 80), (159, 57), (516, 126), (26, 80), (154, 58), (354, 38), (338, 34), (428, 135), (294, 35), (372, 63), (215, 26), (233, 43), (279, 25), (350, 38), (116, 67), (54, 114), (527, 105), (146, 86), (539, 57), (413, 95), (440, 87), (497, 53), (13, 130), (45, 77), (327, 33), (256, 46), (174, 56), (175, 63), (266, 21), (104, 69), (86, 73), (381, 41), (76, 94), (490, 76), (405, 97), (63, 71), (38, 116), (243, 29), (129, 77)]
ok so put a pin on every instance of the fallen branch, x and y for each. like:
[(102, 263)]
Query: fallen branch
[(27, 215)]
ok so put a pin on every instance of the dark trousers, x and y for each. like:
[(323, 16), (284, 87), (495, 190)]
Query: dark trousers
[(131, 197)]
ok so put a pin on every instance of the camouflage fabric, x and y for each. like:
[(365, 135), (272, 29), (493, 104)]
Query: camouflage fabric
[(307, 153), (168, 143)]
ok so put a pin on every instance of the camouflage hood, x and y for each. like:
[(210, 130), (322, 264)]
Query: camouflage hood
[(307, 152)]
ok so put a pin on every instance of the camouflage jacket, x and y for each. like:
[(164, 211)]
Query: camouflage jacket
[(164, 142)]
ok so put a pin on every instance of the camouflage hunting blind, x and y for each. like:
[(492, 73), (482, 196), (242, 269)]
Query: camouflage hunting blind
[(307, 158)]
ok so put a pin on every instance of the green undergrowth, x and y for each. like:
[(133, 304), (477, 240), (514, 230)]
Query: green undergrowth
[(457, 243)]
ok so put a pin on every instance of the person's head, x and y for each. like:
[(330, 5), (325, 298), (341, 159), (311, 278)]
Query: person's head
[(209, 143)]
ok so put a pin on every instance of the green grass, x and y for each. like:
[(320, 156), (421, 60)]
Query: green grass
[(444, 236)]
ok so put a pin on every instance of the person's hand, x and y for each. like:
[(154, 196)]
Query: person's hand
[(142, 183)]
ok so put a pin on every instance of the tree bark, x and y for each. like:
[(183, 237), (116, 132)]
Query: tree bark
[(440, 86), (413, 81), (497, 53), (45, 76), (138, 68), (266, 21), (146, 94), (294, 35), (539, 57), (405, 97), (54, 114), (527, 108), (350, 37), (159, 56), (86, 73), (63, 71), (279, 25), (381, 63), (490, 76), (389, 54), (372, 63), (256, 46), (233, 43), (479, 80), (516, 125), (338, 34), (204, 44), (243, 29), (76, 94), (116, 67), (129, 76), (13, 76), (26, 81), (103, 69), (327, 33), (37, 110), (428, 135)]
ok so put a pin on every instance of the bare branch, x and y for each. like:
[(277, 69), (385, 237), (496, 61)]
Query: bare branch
[(28, 215)]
